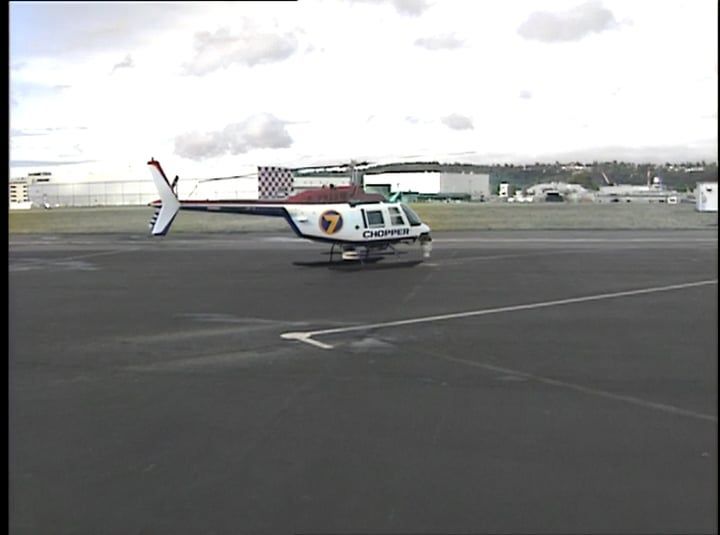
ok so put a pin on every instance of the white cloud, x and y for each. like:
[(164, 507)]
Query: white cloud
[(458, 122), (411, 8), (222, 48), (262, 131), (571, 25), (127, 63), (440, 42)]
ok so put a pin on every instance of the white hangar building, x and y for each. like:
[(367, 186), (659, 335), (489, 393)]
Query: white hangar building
[(476, 185)]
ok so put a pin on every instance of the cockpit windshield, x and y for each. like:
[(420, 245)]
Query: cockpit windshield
[(412, 217)]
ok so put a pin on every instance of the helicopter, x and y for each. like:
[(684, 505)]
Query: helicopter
[(360, 224)]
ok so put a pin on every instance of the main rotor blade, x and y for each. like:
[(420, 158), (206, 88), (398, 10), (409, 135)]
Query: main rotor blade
[(226, 177)]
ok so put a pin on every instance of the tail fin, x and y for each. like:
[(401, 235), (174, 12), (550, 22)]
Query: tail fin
[(169, 206)]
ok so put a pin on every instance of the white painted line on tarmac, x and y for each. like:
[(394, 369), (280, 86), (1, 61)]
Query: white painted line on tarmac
[(91, 255), (482, 258), (585, 390), (308, 336)]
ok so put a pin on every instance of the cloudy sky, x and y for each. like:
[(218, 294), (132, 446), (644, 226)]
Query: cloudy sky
[(215, 89)]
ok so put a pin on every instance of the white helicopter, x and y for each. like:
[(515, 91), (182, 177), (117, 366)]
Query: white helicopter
[(347, 217)]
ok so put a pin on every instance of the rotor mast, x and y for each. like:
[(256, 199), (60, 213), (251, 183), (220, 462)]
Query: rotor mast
[(355, 179)]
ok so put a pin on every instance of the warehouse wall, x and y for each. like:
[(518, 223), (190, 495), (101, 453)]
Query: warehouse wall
[(477, 185), (417, 182)]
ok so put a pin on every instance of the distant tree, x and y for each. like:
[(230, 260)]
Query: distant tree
[(585, 180)]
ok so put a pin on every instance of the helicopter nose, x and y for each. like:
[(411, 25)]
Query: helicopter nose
[(425, 241)]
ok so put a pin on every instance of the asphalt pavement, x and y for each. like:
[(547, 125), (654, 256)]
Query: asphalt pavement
[(514, 382)]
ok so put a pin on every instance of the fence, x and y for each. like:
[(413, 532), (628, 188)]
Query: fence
[(134, 193)]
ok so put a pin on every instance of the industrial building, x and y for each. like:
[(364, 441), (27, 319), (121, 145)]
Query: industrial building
[(43, 189), (426, 185), (306, 182), (432, 184), (46, 190)]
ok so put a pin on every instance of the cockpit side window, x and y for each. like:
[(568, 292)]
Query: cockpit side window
[(396, 217), (412, 217)]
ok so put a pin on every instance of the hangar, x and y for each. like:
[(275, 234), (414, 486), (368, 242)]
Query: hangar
[(269, 182), (468, 186), (417, 185)]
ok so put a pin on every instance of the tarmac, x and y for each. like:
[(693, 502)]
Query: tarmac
[(514, 382)]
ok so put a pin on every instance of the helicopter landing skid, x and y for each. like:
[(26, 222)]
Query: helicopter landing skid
[(365, 255)]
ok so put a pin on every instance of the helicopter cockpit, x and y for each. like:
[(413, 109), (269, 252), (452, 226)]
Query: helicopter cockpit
[(412, 217)]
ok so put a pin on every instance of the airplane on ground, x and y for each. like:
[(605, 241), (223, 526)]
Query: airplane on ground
[(653, 191), (347, 217)]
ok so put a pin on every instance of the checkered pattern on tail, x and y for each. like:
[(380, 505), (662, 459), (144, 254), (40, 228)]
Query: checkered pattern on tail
[(275, 182)]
